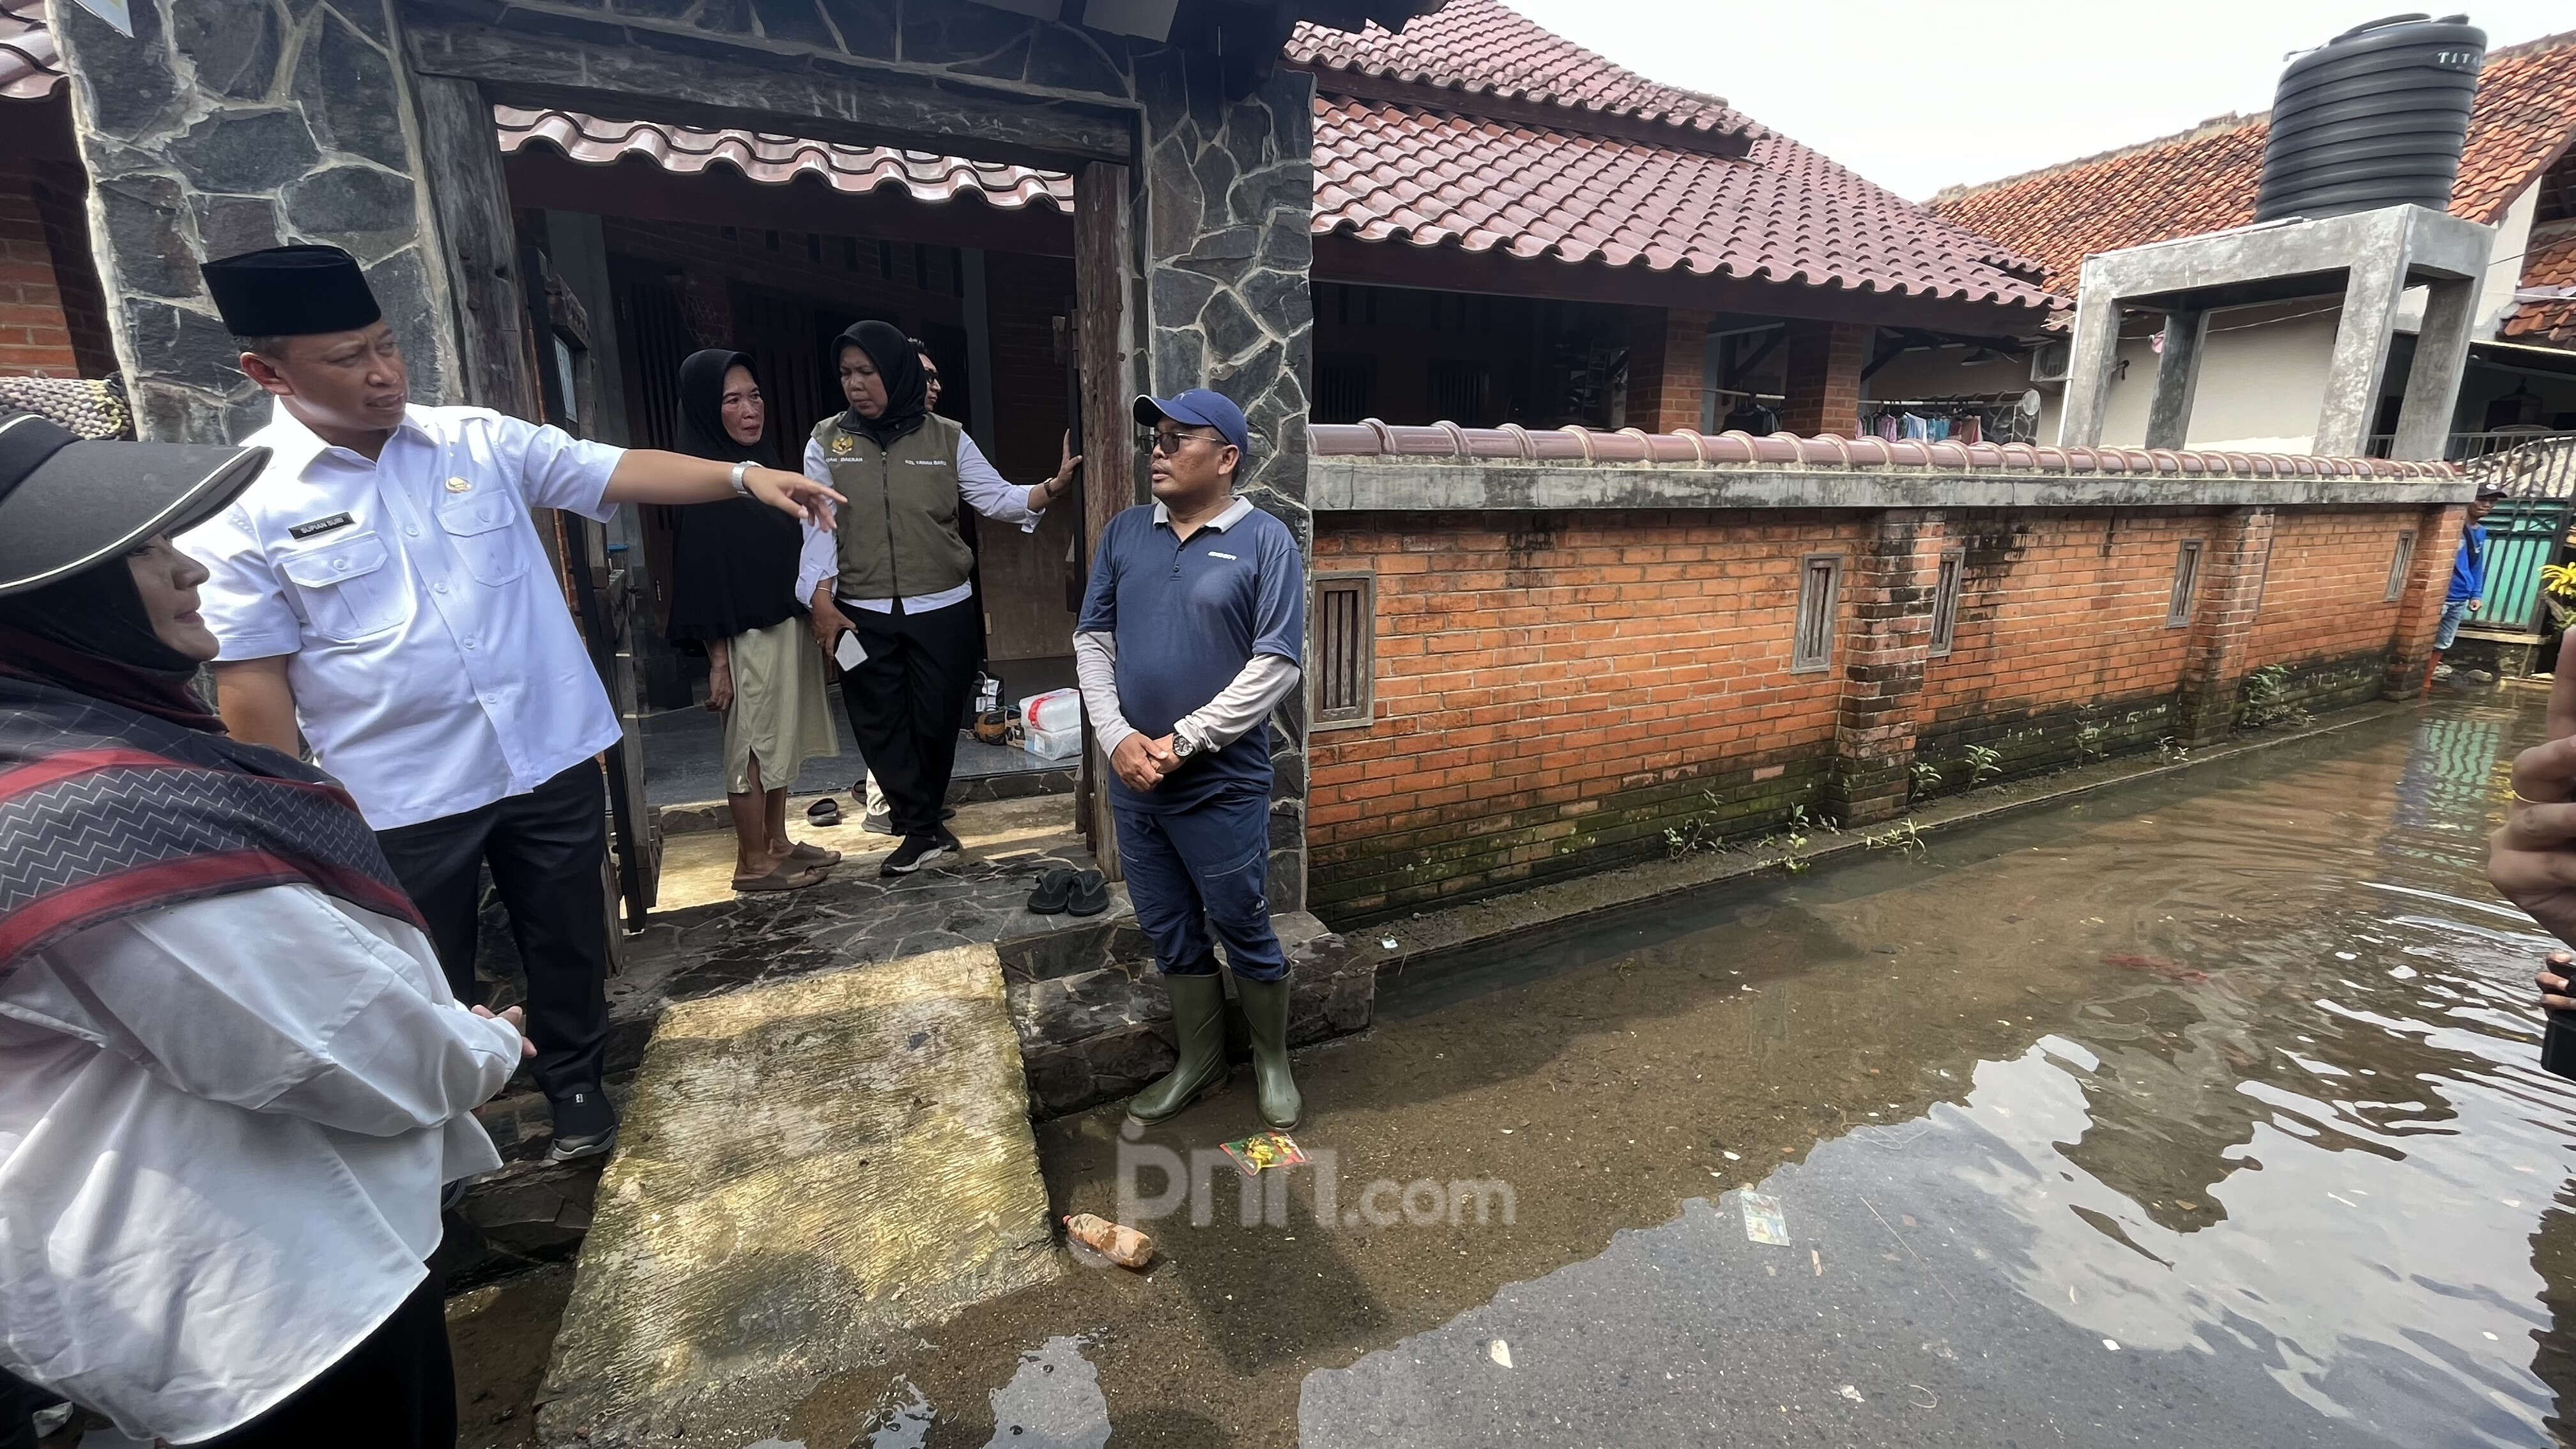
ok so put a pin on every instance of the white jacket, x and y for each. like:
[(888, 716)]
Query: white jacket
[(223, 1130)]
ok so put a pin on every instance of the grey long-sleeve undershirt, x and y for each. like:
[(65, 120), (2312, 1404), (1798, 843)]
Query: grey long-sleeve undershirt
[(1246, 701)]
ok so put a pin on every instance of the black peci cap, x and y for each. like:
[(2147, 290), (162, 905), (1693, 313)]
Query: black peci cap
[(67, 504), (291, 292)]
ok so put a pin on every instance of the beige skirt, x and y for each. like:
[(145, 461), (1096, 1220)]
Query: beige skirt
[(780, 715)]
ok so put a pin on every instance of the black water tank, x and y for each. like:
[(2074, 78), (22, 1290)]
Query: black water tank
[(2372, 118)]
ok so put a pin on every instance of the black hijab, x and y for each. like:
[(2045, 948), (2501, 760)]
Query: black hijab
[(733, 563), (899, 367), (90, 634), (701, 431)]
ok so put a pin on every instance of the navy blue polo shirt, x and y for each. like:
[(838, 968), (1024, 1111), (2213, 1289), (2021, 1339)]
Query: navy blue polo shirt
[(1187, 616)]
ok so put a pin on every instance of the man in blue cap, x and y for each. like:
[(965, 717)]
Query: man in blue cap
[(1189, 636)]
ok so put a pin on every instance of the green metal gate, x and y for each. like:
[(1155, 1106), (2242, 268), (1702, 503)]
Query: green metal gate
[(2522, 535)]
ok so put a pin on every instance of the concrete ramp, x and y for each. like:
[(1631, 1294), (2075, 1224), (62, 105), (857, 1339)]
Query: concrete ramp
[(807, 1168)]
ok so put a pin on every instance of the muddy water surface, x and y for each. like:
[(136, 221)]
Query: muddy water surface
[(2200, 1112)]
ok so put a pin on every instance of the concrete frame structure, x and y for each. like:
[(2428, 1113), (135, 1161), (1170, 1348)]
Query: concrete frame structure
[(2377, 254)]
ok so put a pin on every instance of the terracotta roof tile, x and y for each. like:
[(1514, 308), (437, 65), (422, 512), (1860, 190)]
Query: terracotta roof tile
[(1480, 47), (1438, 442), (2549, 266), (30, 68), (780, 159), (2205, 179), (1389, 171)]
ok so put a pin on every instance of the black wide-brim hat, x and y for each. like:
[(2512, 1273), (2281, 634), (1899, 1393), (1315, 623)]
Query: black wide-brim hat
[(67, 504)]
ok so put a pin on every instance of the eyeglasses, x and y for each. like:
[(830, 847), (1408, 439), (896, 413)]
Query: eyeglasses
[(1169, 443)]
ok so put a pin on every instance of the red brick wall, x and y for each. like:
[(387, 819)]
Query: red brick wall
[(1555, 692), (53, 316), (1667, 358), (1822, 388)]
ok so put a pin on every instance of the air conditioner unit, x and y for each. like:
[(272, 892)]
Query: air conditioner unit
[(2048, 361)]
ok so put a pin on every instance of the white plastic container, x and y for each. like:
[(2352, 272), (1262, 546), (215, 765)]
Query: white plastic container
[(1053, 712), (1054, 744)]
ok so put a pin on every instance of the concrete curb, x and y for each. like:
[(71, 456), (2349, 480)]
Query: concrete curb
[(1442, 937)]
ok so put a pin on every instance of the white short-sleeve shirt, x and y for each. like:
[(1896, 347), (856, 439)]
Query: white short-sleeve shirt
[(435, 666)]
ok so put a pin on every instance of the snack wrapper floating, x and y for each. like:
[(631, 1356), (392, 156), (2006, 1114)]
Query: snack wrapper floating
[(1265, 1149), (1763, 1220)]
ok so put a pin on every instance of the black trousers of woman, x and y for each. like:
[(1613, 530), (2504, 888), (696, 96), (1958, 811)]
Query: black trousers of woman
[(906, 701)]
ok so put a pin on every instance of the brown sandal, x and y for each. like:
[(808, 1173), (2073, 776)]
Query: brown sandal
[(780, 878), (814, 855)]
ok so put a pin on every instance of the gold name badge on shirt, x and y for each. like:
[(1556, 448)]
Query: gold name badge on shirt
[(457, 485), (842, 443)]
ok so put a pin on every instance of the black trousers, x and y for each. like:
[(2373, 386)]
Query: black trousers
[(545, 849), (395, 1390), (906, 701)]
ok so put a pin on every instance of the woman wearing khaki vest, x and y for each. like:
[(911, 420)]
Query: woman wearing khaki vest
[(897, 575)]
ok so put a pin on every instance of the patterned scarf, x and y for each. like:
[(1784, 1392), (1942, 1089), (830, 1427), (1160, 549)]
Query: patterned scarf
[(107, 811)]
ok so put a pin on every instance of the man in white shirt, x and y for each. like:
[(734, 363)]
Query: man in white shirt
[(382, 589)]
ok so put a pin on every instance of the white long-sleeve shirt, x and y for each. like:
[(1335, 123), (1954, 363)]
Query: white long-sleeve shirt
[(984, 489), (223, 1130)]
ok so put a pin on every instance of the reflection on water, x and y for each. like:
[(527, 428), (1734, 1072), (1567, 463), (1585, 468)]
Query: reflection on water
[(2287, 1127), (2335, 1151)]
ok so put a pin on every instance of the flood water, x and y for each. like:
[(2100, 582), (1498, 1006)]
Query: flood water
[(2203, 1111)]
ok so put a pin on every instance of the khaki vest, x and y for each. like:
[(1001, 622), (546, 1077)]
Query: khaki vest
[(898, 533)]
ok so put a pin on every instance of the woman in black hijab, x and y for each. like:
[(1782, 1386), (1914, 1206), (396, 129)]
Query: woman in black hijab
[(232, 1076), (895, 576), (733, 589)]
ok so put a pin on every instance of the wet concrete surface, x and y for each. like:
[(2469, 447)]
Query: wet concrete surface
[(2202, 1111)]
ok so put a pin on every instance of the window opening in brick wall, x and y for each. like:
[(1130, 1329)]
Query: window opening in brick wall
[(2186, 583), (1345, 650), (1945, 598), (2397, 566), (1820, 586)]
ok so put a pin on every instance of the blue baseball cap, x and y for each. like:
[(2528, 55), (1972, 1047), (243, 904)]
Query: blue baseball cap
[(1199, 405)]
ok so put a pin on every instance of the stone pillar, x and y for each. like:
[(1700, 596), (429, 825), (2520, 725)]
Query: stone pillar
[(221, 126), (2419, 601), (1891, 587), (1229, 194), (1824, 361), (2228, 593), (1667, 363)]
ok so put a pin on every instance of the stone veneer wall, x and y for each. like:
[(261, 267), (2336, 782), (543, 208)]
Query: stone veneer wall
[(222, 126)]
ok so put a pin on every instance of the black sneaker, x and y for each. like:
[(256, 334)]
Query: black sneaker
[(918, 851), (585, 1126)]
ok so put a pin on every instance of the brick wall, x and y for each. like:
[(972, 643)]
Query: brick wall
[(53, 317), (1667, 360), (1823, 363), (1555, 692)]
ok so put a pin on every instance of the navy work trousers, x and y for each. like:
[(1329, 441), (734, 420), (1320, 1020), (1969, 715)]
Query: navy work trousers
[(1203, 871)]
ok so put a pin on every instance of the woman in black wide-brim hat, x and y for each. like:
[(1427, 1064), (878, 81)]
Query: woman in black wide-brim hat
[(233, 1081)]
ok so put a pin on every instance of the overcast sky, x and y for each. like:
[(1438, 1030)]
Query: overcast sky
[(1919, 96)]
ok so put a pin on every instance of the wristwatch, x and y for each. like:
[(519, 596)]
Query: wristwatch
[(1183, 747), (741, 489)]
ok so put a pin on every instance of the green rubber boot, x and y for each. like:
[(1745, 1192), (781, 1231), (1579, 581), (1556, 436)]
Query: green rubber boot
[(1265, 1012), (1198, 1024)]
